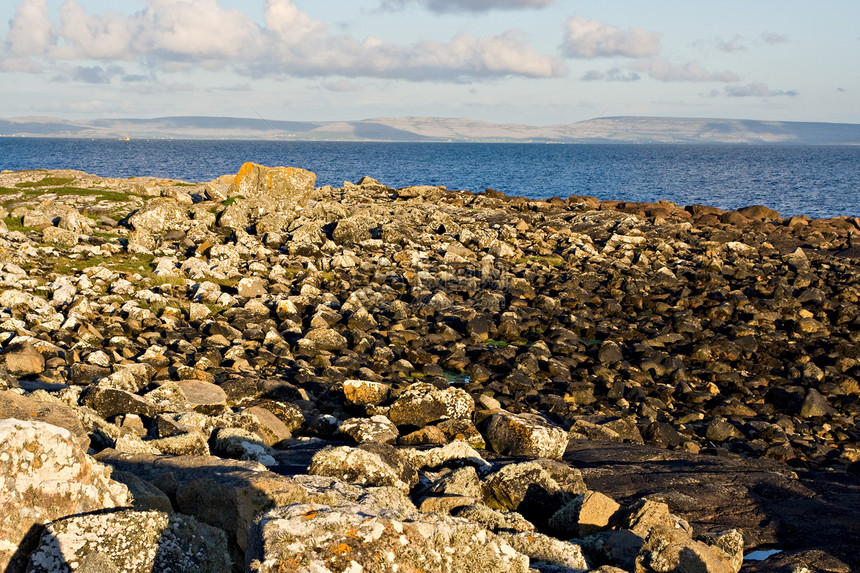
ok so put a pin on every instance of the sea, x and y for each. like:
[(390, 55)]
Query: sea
[(818, 181)]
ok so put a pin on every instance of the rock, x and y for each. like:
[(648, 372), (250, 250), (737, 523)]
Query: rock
[(759, 213), (286, 183), (527, 488), (22, 359), (241, 444), (720, 430), (815, 405), (374, 429), (428, 435), (59, 237), (204, 397), (13, 405), (110, 402), (514, 435), (146, 497), (670, 549), (422, 403), (548, 553), (133, 542), (364, 392), (326, 339), (585, 514), (729, 545), (370, 464), (365, 538), (45, 476)]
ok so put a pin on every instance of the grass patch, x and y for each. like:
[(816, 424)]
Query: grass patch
[(496, 343), (16, 224), (230, 200)]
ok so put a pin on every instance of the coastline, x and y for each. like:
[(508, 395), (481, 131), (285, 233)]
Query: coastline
[(687, 337)]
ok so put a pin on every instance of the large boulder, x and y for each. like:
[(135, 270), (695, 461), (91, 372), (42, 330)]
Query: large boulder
[(518, 435), (13, 405), (22, 359), (289, 183), (45, 475), (312, 537), (423, 403), (131, 542)]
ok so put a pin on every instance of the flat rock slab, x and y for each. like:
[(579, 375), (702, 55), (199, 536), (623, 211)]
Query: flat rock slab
[(766, 499)]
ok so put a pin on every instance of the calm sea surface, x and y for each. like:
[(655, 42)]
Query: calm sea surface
[(794, 180)]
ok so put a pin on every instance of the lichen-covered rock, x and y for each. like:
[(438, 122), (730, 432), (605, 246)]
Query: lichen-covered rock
[(546, 552), (374, 429), (44, 475), (289, 183), (585, 514), (527, 488), (423, 403), (22, 359), (369, 464), (669, 549), (132, 542), (364, 392), (204, 397), (517, 435), (13, 405), (311, 537), (241, 444)]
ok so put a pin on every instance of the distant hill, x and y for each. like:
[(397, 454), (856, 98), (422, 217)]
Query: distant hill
[(600, 130)]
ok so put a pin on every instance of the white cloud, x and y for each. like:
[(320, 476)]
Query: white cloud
[(30, 31), (774, 38), (444, 6), (757, 89), (736, 44), (106, 37), (183, 35), (665, 71), (594, 39)]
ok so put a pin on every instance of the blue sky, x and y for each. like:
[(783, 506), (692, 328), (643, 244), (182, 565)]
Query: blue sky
[(538, 62)]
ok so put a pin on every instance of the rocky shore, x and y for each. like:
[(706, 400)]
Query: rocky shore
[(255, 374)]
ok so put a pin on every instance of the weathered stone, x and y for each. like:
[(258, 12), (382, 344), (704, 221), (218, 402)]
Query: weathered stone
[(547, 552), (204, 397), (670, 549), (22, 359), (364, 392), (374, 429), (515, 435), (13, 405), (288, 183), (360, 537), (370, 464), (816, 405), (133, 542), (423, 403), (45, 476), (110, 402)]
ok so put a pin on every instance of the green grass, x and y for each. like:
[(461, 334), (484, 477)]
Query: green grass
[(16, 224)]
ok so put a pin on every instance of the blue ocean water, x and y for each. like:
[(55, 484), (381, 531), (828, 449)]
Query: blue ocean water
[(819, 181)]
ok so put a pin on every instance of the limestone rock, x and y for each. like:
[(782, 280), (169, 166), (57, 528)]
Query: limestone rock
[(13, 405), (315, 537), (288, 183), (132, 542), (423, 403), (364, 392), (369, 465), (22, 359), (516, 435), (45, 475), (374, 429), (544, 551), (669, 549)]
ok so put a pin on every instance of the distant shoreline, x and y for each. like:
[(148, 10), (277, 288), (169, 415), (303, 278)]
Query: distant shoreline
[(611, 130)]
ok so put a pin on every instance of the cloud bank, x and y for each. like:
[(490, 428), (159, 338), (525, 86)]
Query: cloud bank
[(446, 6), (594, 39), (182, 35)]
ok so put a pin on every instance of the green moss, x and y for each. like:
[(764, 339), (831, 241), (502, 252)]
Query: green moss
[(496, 343), (16, 224), (230, 200)]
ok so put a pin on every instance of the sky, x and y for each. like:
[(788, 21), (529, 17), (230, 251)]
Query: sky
[(536, 62)]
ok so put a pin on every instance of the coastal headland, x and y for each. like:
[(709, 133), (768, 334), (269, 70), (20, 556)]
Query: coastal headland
[(254, 373)]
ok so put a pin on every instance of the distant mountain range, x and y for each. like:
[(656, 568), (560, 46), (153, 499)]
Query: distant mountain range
[(600, 130)]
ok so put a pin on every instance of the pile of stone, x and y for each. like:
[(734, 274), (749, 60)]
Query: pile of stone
[(284, 377)]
